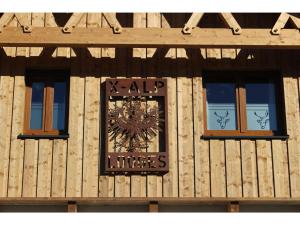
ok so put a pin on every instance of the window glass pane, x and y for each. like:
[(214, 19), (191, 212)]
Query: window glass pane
[(261, 106), (221, 106), (59, 106), (36, 112)]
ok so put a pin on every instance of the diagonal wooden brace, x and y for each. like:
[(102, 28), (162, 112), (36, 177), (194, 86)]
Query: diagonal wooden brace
[(23, 19), (280, 23), (113, 22), (72, 22), (295, 21), (5, 19), (192, 23), (231, 22)]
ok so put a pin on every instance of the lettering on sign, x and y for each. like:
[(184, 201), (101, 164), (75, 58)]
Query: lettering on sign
[(136, 126)]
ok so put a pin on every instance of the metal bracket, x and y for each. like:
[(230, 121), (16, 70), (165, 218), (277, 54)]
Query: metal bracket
[(72, 22), (281, 22), (22, 19), (231, 22), (113, 22)]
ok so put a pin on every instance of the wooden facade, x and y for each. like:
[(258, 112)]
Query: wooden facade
[(231, 169)]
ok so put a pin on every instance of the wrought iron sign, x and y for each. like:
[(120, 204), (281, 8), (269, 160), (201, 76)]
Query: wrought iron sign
[(136, 126)]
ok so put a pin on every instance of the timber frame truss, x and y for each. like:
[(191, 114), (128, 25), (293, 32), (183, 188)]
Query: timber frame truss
[(190, 36)]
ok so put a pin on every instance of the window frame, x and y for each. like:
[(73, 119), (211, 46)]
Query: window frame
[(240, 78), (48, 77)]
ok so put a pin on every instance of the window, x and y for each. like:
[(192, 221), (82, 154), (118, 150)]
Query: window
[(243, 104), (46, 103)]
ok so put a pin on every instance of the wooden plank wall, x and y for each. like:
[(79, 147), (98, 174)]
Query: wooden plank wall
[(198, 168)]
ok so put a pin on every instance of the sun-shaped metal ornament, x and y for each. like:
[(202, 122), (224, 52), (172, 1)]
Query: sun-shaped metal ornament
[(133, 124)]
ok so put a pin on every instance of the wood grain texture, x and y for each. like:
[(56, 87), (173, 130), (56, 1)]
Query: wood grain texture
[(59, 166), (202, 176), (6, 101), (233, 168), (281, 170), (185, 139), (249, 169), (37, 20), (170, 180), (75, 142), (106, 183), (94, 20), (44, 168), (154, 182), (293, 129), (91, 134), (11, 51), (30, 168), (17, 145), (217, 166), (264, 167), (23, 51), (107, 52)]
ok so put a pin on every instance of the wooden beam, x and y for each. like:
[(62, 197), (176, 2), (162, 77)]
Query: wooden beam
[(231, 22), (153, 206), (149, 37), (72, 206), (145, 201), (73, 22), (233, 207), (192, 23)]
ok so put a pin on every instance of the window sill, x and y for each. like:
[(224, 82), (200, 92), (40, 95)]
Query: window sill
[(277, 137), (41, 136)]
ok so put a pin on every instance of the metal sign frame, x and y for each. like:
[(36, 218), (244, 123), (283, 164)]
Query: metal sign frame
[(137, 162)]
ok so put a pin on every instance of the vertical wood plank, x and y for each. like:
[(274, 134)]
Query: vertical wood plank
[(59, 166), (217, 165), (30, 168), (170, 180), (293, 129), (138, 183), (44, 168), (202, 178), (249, 169), (91, 136), (185, 137), (17, 145), (106, 183), (6, 101), (281, 171), (31, 145), (75, 142), (264, 167), (154, 182), (233, 169)]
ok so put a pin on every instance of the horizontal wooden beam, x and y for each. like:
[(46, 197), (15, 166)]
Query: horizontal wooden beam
[(149, 37), (145, 201)]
